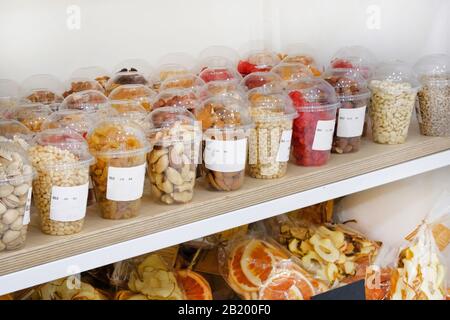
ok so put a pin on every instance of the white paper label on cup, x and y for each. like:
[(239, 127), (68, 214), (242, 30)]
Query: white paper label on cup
[(225, 156), (125, 184), (27, 212), (323, 137), (285, 146), (68, 203), (350, 122)]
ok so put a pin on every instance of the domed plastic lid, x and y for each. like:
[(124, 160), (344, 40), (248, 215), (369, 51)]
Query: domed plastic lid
[(81, 84), (88, 100), (172, 124), (183, 81), (270, 107), (134, 65), (299, 53), (32, 115), (168, 71), (91, 72), (77, 120), (9, 89), (178, 58), (349, 84), (117, 136), (354, 57), (65, 139), (185, 98), (312, 94), (13, 128), (219, 73), (396, 72), (224, 113), (258, 61), (227, 88), (42, 88), (214, 55), (126, 77), (434, 68), (20, 176), (291, 71), (131, 92), (132, 110), (267, 80)]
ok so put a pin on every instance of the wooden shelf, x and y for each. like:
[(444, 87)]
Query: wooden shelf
[(165, 220)]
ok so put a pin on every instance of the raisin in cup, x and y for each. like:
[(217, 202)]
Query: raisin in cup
[(316, 103), (225, 123), (134, 92), (257, 61), (354, 95), (172, 163), (120, 148)]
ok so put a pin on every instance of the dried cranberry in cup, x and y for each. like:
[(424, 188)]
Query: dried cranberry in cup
[(316, 104)]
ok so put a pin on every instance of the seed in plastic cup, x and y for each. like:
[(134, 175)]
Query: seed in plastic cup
[(61, 159), (316, 103), (15, 196), (353, 94), (120, 148), (226, 124), (172, 163), (270, 139)]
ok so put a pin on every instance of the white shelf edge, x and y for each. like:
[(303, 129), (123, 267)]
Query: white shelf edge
[(117, 252)]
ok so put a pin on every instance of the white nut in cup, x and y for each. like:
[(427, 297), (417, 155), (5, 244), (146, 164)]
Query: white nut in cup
[(61, 160), (120, 149), (16, 175)]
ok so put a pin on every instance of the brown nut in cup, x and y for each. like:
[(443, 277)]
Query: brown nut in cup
[(60, 190), (172, 163), (225, 123), (270, 140), (120, 148), (16, 175)]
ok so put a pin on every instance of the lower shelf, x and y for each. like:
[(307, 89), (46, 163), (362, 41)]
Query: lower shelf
[(102, 241)]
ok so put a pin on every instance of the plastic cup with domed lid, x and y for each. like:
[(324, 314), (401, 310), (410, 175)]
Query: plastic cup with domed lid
[(316, 103), (96, 73), (16, 175), (132, 110), (270, 140), (303, 54), (257, 61), (217, 56), (32, 115), (77, 84), (264, 80), (222, 88), (354, 95), (183, 81), (42, 88), (15, 131), (61, 159), (226, 125), (134, 92), (186, 98), (358, 58), (120, 148), (90, 101), (172, 163), (216, 72), (394, 88), (127, 76), (433, 109), (291, 71)]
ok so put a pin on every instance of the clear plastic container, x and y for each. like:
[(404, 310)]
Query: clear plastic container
[(186, 98), (217, 56), (126, 77), (172, 163), (134, 64), (98, 74), (270, 141), (77, 120), (88, 100), (183, 81), (355, 57), (9, 94), (394, 88), (226, 88), (120, 148), (31, 115), (257, 61), (60, 191), (16, 175), (15, 131), (219, 73), (131, 110), (265, 80), (225, 124), (135, 92), (353, 94), (289, 72), (42, 88), (167, 71), (303, 54), (433, 109), (81, 84), (316, 103)]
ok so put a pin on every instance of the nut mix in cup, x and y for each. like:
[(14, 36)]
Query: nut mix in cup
[(60, 190), (120, 148), (316, 103), (257, 61), (31, 115), (93, 73), (265, 80), (172, 163), (353, 94), (9, 94), (270, 140), (433, 109), (303, 54), (16, 175), (42, 88), (394, 88), (225, 123), (134, 92), (186, 98)]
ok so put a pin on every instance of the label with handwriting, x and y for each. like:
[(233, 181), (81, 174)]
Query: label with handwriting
[(68, 203), (125, 184)]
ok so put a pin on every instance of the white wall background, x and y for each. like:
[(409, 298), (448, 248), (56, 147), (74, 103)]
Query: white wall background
[(48, 36)]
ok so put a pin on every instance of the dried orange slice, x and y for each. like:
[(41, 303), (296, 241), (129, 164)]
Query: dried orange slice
[(257, 261), (195, 286), (237, 279), (287, 285)]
